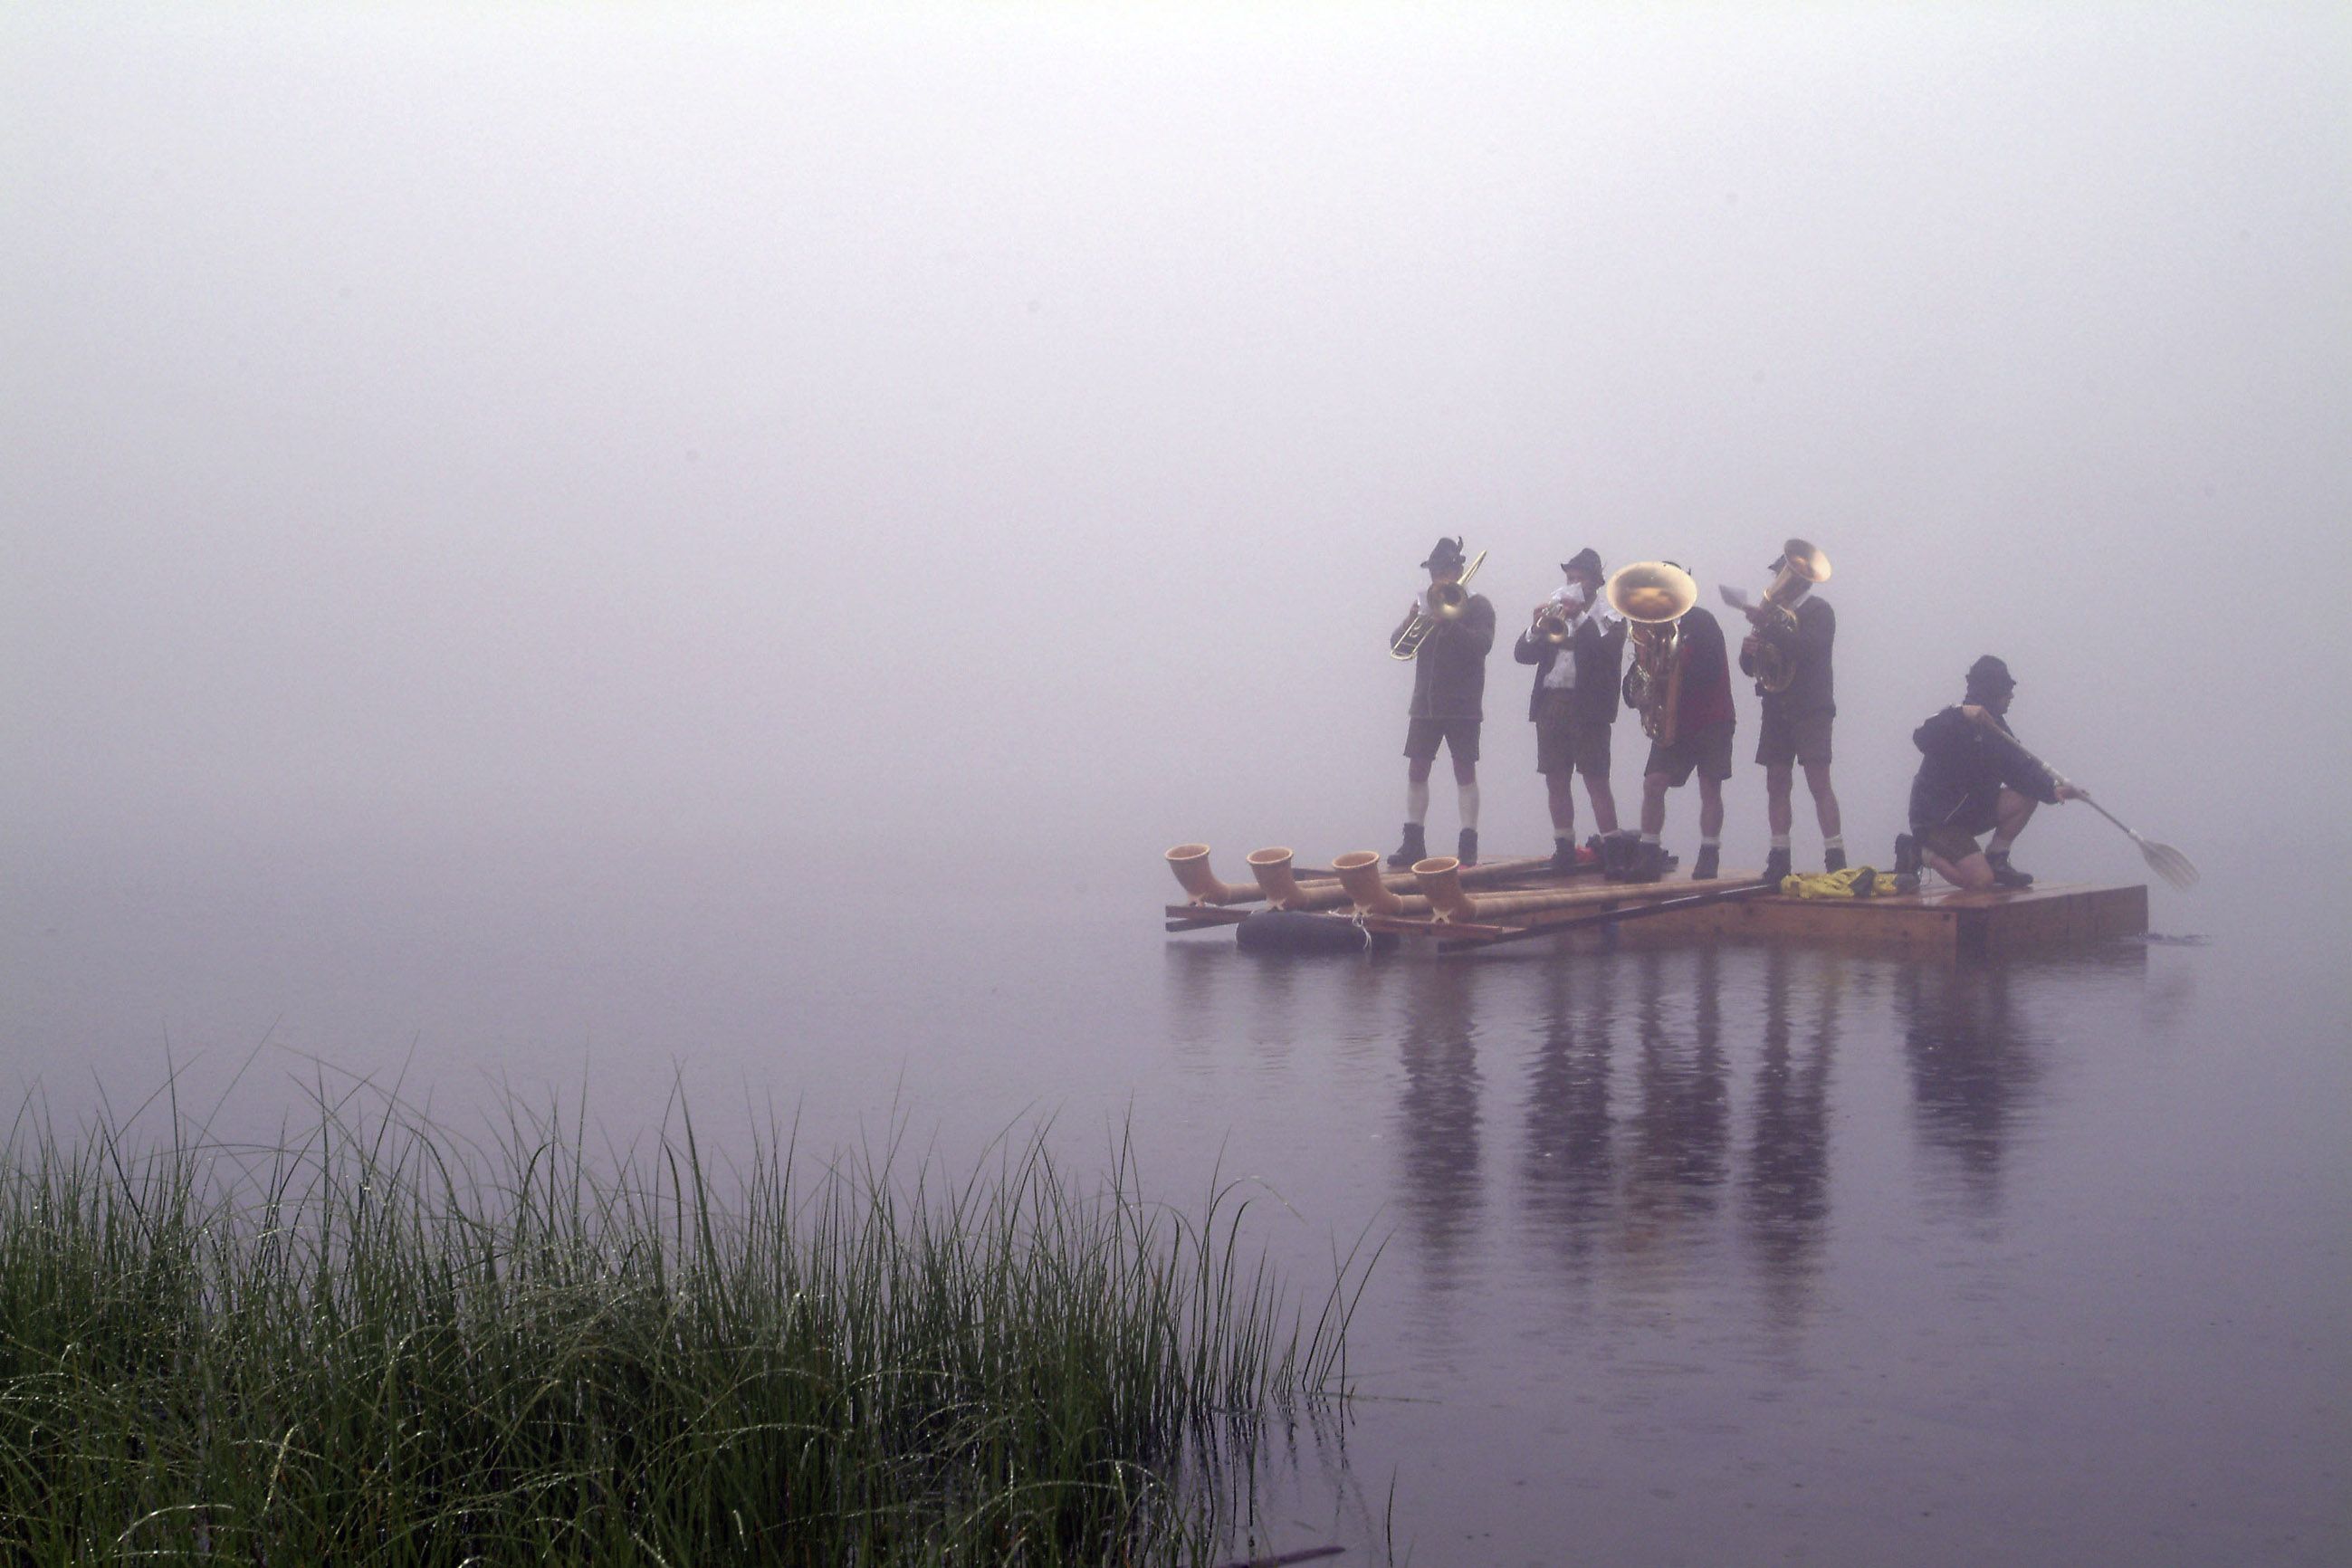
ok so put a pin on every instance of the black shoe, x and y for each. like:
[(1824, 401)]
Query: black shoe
[(1706, 867), (1613, 856), (1907, 855), (1563, 856), (1832, 859), (1646, 863), (1466, 847), (1414, 847), (1776, 866), (2005, 875)]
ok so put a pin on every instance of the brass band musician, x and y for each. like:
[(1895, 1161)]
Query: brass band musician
[(1447, 632), (1685, 704), (1788, 652), (1577, 643)]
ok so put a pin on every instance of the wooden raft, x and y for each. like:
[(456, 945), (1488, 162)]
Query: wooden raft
[(1939, 922)]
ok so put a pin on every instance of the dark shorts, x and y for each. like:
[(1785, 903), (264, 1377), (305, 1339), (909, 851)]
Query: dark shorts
[(1460, 735), (1565, 744), (1708, 749), (1954, 844), (1805, 739)]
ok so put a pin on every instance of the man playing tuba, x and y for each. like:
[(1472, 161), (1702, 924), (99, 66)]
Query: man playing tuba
[(1687, 707), (1577, 643), (1789, 653), (1449, 632)]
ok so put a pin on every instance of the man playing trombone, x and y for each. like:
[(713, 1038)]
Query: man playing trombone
[(1974, 778), (1447, 632), (1577, 644)]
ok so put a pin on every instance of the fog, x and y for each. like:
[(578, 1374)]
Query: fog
[(781, 441)]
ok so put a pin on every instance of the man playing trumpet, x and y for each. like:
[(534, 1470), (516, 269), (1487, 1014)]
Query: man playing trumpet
[(1447, 633), (1577, 644), (1789, 653)]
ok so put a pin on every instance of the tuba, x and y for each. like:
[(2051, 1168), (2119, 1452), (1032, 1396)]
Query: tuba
[(1775, 623), (1653, 596), (1447, 602)]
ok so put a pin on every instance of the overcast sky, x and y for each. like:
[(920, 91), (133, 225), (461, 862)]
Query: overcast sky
[(748, 428)]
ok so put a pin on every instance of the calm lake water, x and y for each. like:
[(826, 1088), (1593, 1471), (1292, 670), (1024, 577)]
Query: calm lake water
[(1707, 1257)]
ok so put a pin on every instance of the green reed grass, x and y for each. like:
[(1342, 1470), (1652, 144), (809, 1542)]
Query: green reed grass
[(383, 1343)]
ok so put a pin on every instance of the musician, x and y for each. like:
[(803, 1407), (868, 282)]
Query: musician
[(1700, 743), (1574, 701), (1449, 684), (1974, 777), (1797, 718)]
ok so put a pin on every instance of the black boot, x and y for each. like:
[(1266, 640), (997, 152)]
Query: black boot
[(1834, 860), (1563, 856), (2005, 875), (1466, 848), (1776, 866), (1705, 869), (1647, 863), (1617, 857), (1414, 847), (1907, 855)]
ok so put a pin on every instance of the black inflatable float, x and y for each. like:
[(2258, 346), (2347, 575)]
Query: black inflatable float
[(1299, 930)]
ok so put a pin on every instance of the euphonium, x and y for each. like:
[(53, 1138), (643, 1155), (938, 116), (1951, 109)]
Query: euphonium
[(1653, 596), (1447, 602), (1800, 566)]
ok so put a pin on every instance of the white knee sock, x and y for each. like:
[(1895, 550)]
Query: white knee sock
[(1780, 841), (1835, 841), (1649, 838), (1416, 802), (1470, 807)]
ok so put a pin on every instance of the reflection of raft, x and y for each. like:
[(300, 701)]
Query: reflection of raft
[(1443, 902)]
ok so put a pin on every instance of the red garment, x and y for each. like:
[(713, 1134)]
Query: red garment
[(1705, 695)]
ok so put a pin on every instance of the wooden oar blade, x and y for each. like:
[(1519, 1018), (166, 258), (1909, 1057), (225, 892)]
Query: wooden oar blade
[(2170, 864)]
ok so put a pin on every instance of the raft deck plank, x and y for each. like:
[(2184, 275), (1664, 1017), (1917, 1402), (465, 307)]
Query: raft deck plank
[(1947, 923)]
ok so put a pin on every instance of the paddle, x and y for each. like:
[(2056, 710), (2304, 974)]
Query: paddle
[(2162, 858)]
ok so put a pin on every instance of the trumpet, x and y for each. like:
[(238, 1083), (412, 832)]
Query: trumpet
[(1653, 596), (1555, 618), (1799, 568), (1446, 601)]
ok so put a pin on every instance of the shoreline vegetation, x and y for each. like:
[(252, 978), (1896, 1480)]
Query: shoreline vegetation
[(383, 1343)]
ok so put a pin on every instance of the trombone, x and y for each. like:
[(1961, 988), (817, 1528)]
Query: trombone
[(1446, 601)]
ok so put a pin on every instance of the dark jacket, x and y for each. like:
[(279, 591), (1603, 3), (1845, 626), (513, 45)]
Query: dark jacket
[(1449, 673), (1963, 768), (1815, 687), (1600, 661)]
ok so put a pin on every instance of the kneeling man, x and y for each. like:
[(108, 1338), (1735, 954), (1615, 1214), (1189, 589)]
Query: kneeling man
[(1974, 778)]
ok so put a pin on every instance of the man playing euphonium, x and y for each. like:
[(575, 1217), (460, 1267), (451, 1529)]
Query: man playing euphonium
[(1798, 709), (1574, 703), (1974, 778), (1449, 684)]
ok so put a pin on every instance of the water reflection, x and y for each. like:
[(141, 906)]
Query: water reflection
[(1437, 1117), (1569, 1173), (1784, 1193), (1975, 1064), (1682, 1120)]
